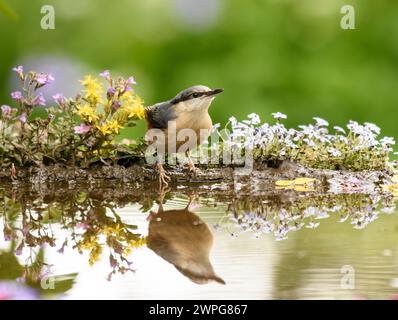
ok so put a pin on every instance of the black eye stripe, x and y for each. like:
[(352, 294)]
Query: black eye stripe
[(188, 97)]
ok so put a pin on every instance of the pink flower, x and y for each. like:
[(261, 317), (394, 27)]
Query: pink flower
[(59, 98), (82, 129), (16, 95), (6, 110), (111, 92), (19, 249), (130, 81), (15, 291), (39, 100), (43, 78), (105, 74), (23, 117), (19, 71), (82, 225), (116, 105)]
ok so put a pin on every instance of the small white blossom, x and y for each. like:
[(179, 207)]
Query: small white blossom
[(321, 122), (372, 127), (339, 129), (312, 225), (334, 152), (254, 118), (279, 115), (387, 141)]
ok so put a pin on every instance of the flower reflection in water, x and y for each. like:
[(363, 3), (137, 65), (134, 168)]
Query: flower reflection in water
[(279, 215), (86, 219)]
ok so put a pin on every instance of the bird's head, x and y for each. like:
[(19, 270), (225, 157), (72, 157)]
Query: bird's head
[(196, 97)]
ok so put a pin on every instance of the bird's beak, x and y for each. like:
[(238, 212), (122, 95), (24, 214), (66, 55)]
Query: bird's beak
[(214, 92)]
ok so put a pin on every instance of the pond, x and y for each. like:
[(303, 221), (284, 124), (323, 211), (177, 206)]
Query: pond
[(205, 241)]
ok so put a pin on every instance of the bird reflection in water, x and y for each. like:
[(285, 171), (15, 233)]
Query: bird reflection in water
[(183, 239)]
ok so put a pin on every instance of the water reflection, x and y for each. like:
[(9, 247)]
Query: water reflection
[(183, 239), (109, 224)]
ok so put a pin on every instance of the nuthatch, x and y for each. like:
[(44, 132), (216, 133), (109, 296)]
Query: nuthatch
[(183, 239), (187, 110)]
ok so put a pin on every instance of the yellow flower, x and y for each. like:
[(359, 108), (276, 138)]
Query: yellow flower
[(137, 111), (93, 89), (134, 244), (392, 188), (95, 254), (87, 113), (134, 105), (109, 127)]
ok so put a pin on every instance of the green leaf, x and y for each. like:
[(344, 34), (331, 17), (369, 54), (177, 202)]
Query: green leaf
[(10, 268)]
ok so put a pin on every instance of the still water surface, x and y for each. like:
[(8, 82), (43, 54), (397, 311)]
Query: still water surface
[(278, 247)]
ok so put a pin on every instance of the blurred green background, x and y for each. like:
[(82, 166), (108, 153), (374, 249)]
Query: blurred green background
[(269, 55)]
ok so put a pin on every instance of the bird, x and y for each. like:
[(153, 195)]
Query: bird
[(183, 239), (189, 109)]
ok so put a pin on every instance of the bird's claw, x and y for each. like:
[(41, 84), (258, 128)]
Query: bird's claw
[(191, 167), (13, 172), (163, 177)]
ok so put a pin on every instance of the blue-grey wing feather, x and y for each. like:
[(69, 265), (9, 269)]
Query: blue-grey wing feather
[(160, 114)]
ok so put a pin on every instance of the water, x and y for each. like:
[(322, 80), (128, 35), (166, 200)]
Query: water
[(65, 241)]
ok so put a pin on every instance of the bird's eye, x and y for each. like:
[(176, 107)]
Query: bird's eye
[(195, 94)]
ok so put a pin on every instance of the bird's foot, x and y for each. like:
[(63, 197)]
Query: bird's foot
[(13, 172), (192, 168), (191, 199), (163, 177)]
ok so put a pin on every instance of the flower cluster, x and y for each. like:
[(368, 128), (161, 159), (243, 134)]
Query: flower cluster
[(274, 217), (92, 227), (315, 145), (107, 116), (79, 130)]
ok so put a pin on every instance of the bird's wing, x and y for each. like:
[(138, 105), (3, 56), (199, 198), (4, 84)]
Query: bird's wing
[(158, 115)]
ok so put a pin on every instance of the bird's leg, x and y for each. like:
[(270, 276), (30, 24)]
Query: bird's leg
[(163, 177), (191, 199), (13, 172), (162, 192), (191, 165)]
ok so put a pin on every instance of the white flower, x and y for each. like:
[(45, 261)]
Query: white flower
[(322, 215), (216, 126), (310, 143), (387, 141), (321, 122), (343, 218), (335, 208), (312, 225), (308, 130), (372, 127), (355, 127), (279, 115), (310, 211), (339, 129), (233, 121), (255, 118), (388, 210), (334, 152)]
